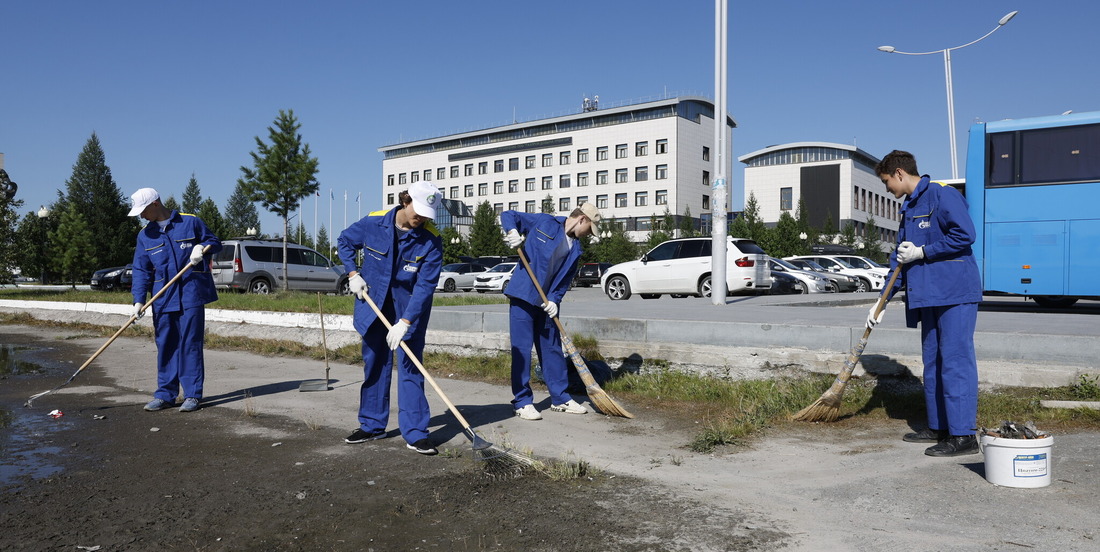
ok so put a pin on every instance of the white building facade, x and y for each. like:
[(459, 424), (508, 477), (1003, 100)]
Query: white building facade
[(632, 162), (836, 181)]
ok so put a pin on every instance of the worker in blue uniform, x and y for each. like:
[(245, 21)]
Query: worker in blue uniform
[(166, 245), (402, 256), (942, 291), (552, 247)]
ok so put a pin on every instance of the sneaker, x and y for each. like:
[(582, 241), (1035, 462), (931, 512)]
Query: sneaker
[(190, 404), (423, 446), (528, 412), (360, 436), (956, 445), (570, 407), (158, 404), (925, 436)]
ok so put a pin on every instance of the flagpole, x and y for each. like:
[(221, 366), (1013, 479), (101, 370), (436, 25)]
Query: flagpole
[(330, 199), (316, 199), (345, 209)]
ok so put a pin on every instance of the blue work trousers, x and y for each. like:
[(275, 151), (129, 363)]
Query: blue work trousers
[(179, 337), (413, 412), (529, 325), (950, 367)]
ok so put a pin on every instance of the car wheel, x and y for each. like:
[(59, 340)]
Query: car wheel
[(801, 288), (704, 286), (831, 287), (449, 285), (260, 286), (863, 285), (649, 295), (481, 291), (343, 288), (618, 288), (677, 295), (1055, 302)]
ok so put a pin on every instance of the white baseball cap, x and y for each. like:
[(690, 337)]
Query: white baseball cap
[(142, 199), (425, 198)]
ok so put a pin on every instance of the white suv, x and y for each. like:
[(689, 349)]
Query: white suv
[(869, 280), (681, 267)]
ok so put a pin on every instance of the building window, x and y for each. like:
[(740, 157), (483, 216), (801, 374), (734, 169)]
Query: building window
[(529, 206), (402, 179), (498, 208), (601, 201), (641, 199), (582, 155), (454, 171), (582, 179), (563, 158), (389, 199), (468, 190), (706, 153), (661, 197), (513, 186), (547, 159), (513, 205), (644, 224), (620, 151), (563, 204), (483, 189), (601, 178), (620, 200), (601, 153), (641, 174), (468, 169), (706, 203), (785, 195), (440, 173), (662, 172), (620, 176), (547, 183), (389, 180), (414, 177), (564, 181), (454, 192), (513, 164), (529, 162), (581, 200), (706, 178), (483, 167), (427, 174), (641, 149), (662, 146), (498, 187), (498, 165), (529, 185)]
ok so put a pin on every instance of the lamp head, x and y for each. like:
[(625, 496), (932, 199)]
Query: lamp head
[(1008, 17), (887, 49)]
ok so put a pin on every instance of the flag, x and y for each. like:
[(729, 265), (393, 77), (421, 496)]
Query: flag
[(318, 194), (330, 194), (357, 196)]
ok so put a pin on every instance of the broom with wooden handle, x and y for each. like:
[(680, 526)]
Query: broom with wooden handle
[(133, 318), (599, 397), (827, 408)]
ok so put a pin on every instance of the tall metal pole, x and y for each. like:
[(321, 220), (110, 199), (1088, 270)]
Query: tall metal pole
[(718, 196)]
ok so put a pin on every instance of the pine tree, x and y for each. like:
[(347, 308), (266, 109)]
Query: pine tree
[(784, 237), (453, 245), (323, 245), (301, 235), (240, 213), (687, 224), (208, 212), (192, 197), (872, 248), (76, 248), (617, 248), (101, 206), (283, 173), (10, 251), (31, 240), (486, 238), (848, 235), (548, 205), (171, 204)]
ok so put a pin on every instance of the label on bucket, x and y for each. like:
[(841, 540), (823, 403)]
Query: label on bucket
[(1029, 465)]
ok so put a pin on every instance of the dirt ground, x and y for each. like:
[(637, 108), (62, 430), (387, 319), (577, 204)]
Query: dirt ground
[(263, 466)]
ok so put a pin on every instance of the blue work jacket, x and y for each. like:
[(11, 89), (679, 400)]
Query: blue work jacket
[(935, 216), (543, 234), (406, 267), (159, 256)]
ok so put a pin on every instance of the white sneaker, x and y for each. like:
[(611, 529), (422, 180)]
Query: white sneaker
[(528, 413), (570, 407)]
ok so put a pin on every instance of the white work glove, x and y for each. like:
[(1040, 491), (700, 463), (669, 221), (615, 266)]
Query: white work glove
[(871, 318), (907, 253), (358, 286), (396, 334), (196, 255), (513, 239), (551, 309), (138, 313)]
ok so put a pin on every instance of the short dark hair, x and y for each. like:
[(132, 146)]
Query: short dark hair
[(895, 160), (404, 198)]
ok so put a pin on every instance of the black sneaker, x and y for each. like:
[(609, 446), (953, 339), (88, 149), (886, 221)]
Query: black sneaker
[(956, 445), (925, 436), (424, 447), (360, 436)]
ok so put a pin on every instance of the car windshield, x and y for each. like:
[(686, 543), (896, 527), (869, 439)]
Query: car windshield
[(453, 267), (785, 264), (813, 265), (837, 261), (503, 267)]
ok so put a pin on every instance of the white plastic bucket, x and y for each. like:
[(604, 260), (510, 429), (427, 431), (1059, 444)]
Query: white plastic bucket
[(1017, 462)]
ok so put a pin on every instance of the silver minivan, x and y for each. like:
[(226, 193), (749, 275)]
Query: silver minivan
[(256, 266)]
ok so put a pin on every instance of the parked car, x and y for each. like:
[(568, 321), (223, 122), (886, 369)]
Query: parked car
[(118, 278), (495, 279), (682, 267), (256, 266), (868, 280), (841, 283), (785, 283), (458, 276), (863, 262), (813, 282), (589, 274)]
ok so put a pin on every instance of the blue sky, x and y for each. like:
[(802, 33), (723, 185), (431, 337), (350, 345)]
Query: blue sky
[(180, 88)]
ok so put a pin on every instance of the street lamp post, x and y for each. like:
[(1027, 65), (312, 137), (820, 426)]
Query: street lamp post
[(43, 212), (950, 89)]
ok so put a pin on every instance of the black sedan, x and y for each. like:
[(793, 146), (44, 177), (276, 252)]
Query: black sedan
[(783, 283), (116, 278), (589, 274)]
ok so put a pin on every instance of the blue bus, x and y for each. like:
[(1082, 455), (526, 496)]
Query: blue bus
[(1034, 191)]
